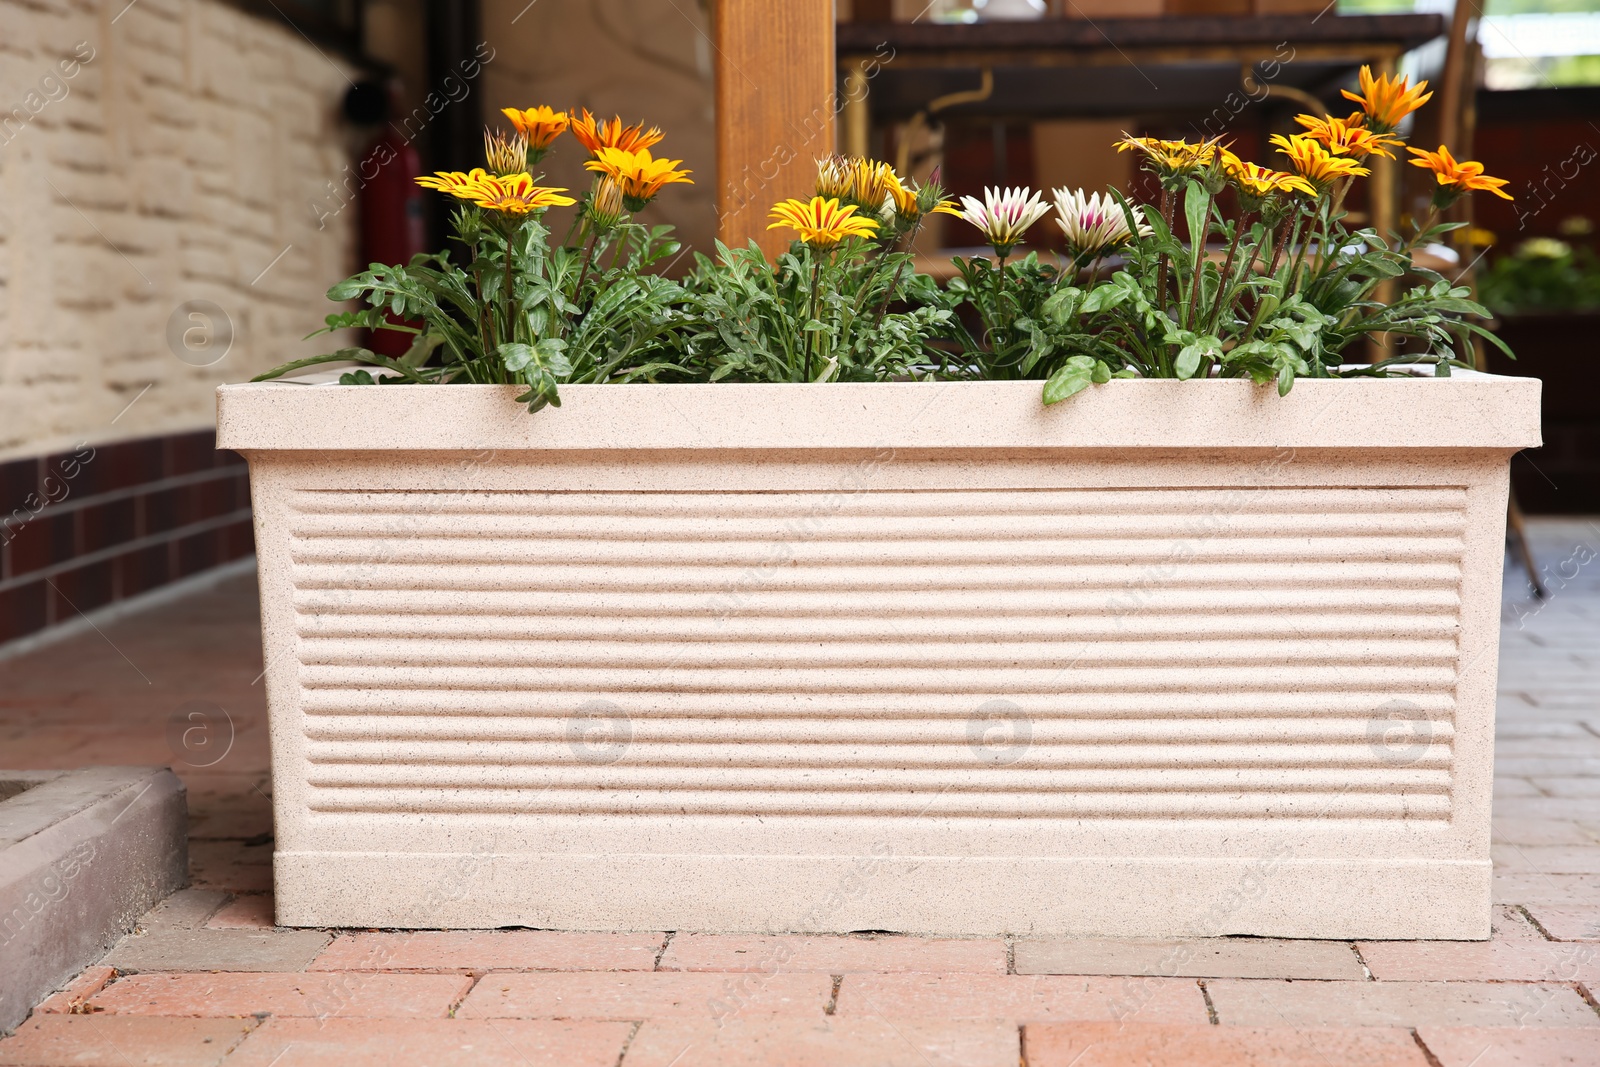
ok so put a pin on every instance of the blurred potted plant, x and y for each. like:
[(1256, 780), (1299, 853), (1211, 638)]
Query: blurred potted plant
[(910, 649), (1545, 297)]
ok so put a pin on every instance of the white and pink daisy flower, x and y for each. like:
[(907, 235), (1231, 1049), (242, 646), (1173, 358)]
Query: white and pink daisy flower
[(1004, 215), (1095, 223)]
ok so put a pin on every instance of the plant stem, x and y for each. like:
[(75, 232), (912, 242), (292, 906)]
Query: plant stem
[(889, 294), (510, 334), (816, 271), (1094, 271), (1427, 224), (1299, 256), (588, 258), (1225, 295), (999, 304), (1284, 239)]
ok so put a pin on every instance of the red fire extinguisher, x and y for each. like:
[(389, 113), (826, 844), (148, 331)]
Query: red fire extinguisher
[(392, 211)]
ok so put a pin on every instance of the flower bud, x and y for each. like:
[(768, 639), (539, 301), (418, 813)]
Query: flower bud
[(605, 206)]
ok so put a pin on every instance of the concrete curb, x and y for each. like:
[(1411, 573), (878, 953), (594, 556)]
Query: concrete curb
[(83, 854)]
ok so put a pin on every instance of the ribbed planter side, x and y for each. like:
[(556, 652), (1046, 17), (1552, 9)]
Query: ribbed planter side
[(1169, 658)]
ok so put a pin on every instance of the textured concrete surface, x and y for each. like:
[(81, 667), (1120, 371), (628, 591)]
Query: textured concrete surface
[(1522, 999)]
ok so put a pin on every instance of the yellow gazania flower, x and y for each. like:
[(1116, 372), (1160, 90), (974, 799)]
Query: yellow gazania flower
[(1348, 137), (1261, 181), (1172, 158), (912, 203), (514, 194), (822, 223), (835, 177), (1457, 177), (613, 134), (640, 176), (872, 184), (906, 207), (540, 125), (452, 181), (505, 155), (1387, 99), (1315, 163)]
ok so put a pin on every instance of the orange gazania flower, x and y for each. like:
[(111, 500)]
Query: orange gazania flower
[(1348, 137), (639, 176), (821, 223), (612, 133), (540, 125), (1315, 163), (1387, 99), (1456, 177)]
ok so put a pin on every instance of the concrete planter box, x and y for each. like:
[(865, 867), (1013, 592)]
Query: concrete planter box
[(1169, 658)]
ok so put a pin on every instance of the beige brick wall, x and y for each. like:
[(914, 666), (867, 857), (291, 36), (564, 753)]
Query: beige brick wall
[(177, 163)]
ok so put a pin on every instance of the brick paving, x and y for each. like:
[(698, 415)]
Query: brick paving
[(207, 979)]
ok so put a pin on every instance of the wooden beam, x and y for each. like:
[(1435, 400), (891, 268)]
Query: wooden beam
[(775, 109)]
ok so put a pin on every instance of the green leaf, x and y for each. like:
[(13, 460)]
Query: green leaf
[(422, 347), (1062, 307), (518, 357), (350, 288), (1070, 378), (551, 352), (1196, 205), (1188, 361), (343, 355), (1102, 373)]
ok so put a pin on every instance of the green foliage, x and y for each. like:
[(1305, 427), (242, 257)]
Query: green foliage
[(811, 317), (1543, 275), (520, 312), (1290, 293), (1286, 292)]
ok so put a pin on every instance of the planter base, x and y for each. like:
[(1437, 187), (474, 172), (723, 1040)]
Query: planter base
[(939, 896)]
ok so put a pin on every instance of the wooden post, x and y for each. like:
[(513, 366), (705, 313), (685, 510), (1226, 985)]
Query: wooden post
[(775, 109)]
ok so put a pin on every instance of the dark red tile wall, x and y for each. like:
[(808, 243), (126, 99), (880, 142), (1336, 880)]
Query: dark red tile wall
[(84, 528)]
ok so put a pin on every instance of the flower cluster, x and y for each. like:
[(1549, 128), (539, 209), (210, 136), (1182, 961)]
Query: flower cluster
[(869, 200), (628, 177), (1289, 294)]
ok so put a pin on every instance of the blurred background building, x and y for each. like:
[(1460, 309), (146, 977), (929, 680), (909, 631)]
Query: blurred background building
[(181, 180)]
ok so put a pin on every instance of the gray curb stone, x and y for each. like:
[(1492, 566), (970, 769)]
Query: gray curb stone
[(83, 854)]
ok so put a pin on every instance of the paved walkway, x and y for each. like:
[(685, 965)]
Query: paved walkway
[(206, 979)]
